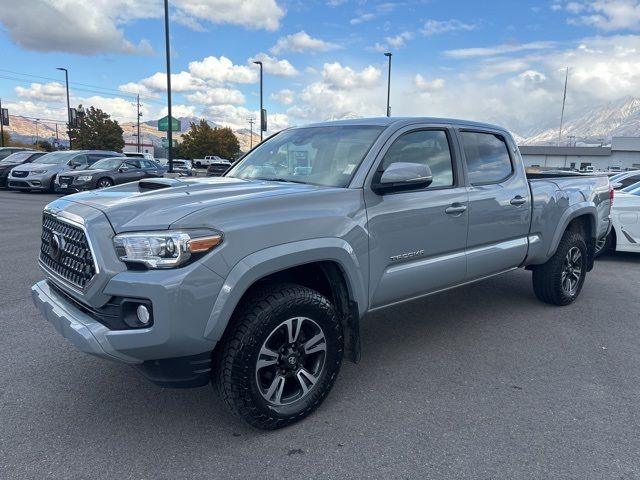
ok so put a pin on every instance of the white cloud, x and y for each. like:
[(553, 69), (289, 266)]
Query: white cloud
[(137, 89), (273, 66), (48, 92), (90, 27), (179, 111), (217, 96), (425, 85), (300, 42), (222, 70), (85, 27), (378, 10), (346, 78), (265, 14), (434, 27), (180, 82), (399, 40), (463, 53), (362, 18), (284, 96), (607, 15), (238, 117)]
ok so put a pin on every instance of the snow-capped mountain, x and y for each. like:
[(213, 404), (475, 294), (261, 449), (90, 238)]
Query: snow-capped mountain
[(620, 118)]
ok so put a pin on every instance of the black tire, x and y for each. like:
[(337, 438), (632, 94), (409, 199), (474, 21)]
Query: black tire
[(104, 183), (241, 380), (550, 279)]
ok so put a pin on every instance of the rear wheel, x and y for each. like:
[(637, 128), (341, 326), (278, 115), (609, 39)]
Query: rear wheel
[(104, 183), (559, 280), (280, 357)]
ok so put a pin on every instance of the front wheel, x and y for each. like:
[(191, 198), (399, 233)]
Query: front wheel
[(281, 356), (104, 183), (559, 280)]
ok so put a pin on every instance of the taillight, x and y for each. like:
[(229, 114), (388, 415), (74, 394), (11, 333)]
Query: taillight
[(611, 194)]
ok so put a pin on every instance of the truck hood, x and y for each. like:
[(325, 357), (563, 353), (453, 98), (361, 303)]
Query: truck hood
[(155, 204)]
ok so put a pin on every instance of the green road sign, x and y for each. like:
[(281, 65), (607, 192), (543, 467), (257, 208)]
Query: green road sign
[(163, 124), (165, 142)]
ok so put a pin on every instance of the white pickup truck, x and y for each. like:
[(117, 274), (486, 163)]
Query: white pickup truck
[(206, 161)]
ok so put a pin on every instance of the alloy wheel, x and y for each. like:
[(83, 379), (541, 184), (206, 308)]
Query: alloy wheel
[(571, 271), (291, 361)]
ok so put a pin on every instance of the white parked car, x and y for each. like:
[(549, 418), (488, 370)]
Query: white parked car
[(625, 231), (208, 160)]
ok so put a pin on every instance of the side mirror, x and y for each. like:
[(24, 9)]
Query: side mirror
[(122, 169), (402, 176), (74, 163)]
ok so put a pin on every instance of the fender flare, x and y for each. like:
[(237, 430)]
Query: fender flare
[(274, 259), (573, 212)]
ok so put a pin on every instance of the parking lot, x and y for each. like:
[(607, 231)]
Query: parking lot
[(479, 382)]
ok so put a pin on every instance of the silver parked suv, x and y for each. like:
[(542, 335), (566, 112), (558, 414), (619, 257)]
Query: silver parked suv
[(40, 174)]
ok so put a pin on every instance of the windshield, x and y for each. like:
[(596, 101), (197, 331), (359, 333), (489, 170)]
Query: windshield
[(106, 164), (326, 156), (631, 187), (56, 158), (17, 157)]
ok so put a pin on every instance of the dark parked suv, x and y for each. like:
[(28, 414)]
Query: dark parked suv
[(40, 174), (15, 159)]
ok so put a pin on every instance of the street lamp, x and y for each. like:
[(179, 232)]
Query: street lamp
[(37, 136), (388, 55), (66, 79), (258, 62), (168, 54)]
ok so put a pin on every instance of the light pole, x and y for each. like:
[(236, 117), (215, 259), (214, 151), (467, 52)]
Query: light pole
[(258, 62), (37, 137), (388, 55), (168, 54), (66, 80)]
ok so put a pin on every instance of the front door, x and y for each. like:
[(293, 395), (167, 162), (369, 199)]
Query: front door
[(417, 238), (499, 204)]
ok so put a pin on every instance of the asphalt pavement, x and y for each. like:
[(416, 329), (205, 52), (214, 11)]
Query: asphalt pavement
[(481, 382)]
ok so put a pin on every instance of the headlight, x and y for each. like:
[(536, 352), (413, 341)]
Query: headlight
[(165, 249), (85, 178), (38, 172)]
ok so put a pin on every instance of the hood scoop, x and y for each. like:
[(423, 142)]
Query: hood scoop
[(157, 184)]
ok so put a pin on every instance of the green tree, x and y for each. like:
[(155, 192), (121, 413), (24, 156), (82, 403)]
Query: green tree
[(96, 131), (202, 140), (44, 145)]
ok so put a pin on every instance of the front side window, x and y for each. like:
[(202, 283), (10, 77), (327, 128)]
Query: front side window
[(487, 157), (327, 156), (427, 147)]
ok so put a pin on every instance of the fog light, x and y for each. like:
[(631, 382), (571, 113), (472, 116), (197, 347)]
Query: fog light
[(143, 314)]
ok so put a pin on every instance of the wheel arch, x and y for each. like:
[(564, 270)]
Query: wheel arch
[(328, 266)]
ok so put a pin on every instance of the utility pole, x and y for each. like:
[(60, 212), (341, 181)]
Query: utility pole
[(37, 138), (251, 120), (139, 115), (66, 80), (1, 125), (564, 99), (388, 55), (258, 62), (168, 54)]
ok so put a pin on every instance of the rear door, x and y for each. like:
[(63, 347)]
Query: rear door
[(499, 203), (417, 239)]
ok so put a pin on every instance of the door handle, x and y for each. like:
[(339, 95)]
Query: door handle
[(456, 209), (518, 200)]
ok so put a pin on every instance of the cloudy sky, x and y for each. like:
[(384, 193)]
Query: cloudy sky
[(494, 61)]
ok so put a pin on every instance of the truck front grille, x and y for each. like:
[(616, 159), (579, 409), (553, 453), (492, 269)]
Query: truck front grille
[(65, 251)]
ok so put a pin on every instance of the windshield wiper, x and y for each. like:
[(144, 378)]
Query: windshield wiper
[(280, 180)]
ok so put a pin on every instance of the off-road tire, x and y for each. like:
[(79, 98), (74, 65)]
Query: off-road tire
[(235, 359), (547, 278)]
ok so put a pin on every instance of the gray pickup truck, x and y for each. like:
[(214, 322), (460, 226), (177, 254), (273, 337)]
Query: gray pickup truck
[(257, 280)]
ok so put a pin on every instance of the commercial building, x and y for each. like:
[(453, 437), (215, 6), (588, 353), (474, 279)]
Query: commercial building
[(133, 147), (622, 154)]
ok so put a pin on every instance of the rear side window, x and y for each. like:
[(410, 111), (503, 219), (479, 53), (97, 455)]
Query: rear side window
[(487, 157), (428, 147)]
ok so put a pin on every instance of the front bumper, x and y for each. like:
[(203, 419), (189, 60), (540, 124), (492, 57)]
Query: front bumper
[(29, 183), (173, 351)]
